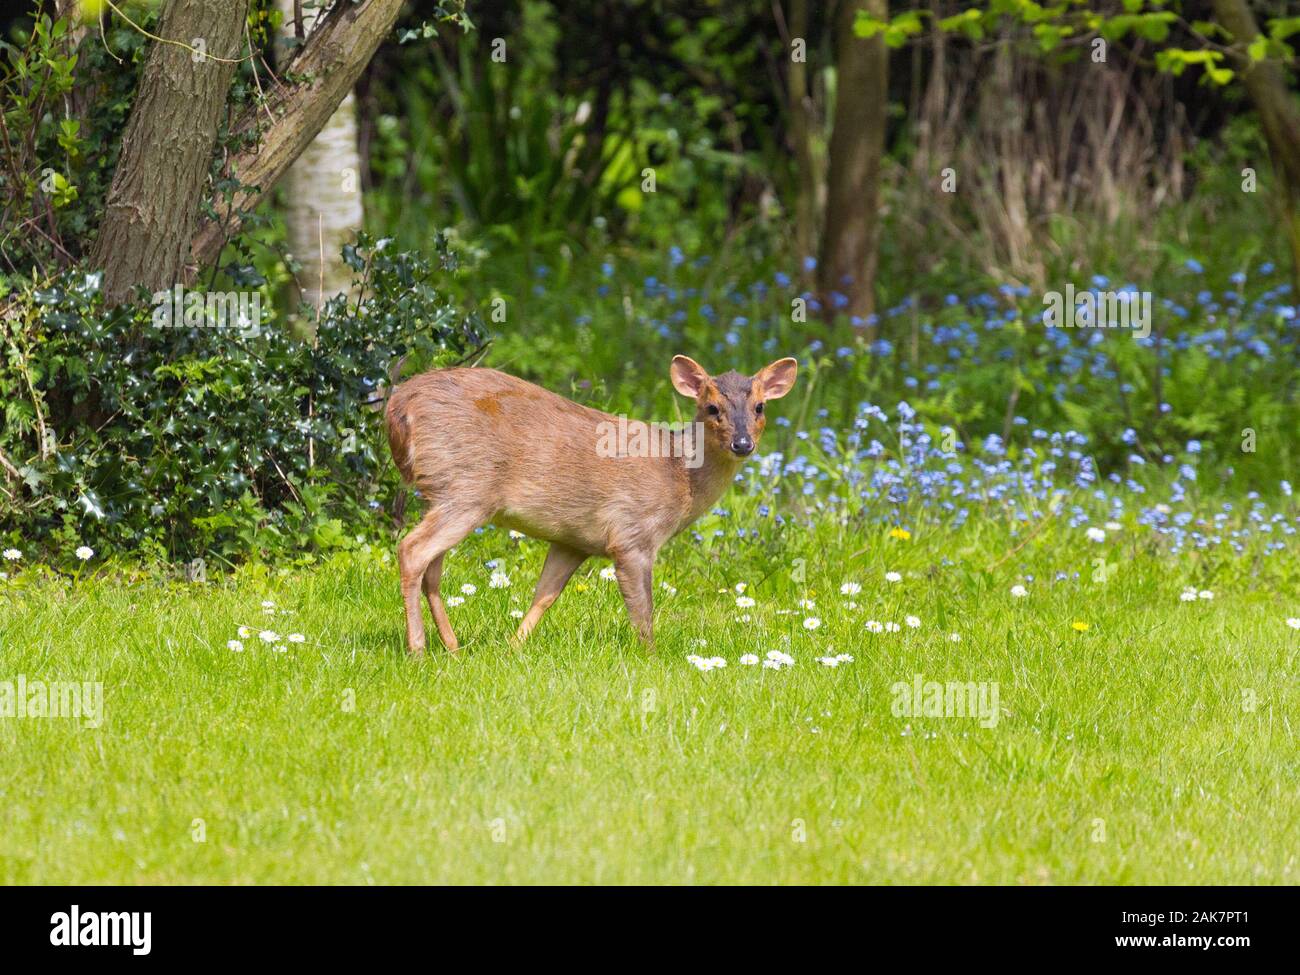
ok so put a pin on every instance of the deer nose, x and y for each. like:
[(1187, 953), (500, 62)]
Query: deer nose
[(742, 446)]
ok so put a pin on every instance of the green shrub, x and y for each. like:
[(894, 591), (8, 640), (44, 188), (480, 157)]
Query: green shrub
[(226, 438)]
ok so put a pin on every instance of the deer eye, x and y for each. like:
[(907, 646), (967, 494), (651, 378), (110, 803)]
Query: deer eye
[(759, 409), (712, 410)]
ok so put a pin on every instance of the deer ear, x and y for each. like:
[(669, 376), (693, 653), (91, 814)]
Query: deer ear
[(776, 379), (688, 376)]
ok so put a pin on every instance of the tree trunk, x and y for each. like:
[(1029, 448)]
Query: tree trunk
[(800, 106), (336, 52), (322, 192), (153, 200), (848, 259), (1266, 84)]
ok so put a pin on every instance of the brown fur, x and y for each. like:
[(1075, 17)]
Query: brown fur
[(484, 446)]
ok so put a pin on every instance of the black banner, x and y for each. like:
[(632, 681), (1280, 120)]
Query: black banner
[(144, 925)]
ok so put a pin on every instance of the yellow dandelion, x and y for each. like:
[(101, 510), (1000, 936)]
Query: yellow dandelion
[(581, 587), (1079, 626), (902, 533)]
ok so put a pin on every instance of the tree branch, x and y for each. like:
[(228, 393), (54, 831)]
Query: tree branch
[(338, 48)]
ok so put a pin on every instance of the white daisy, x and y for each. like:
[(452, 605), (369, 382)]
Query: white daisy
[(806, 604), (12, 555), (608, 574), (1205, 594), (913, 621), (893, 577), (892, 627), (850, 589), (744, 602), (1096, 534), (741, 586), (955, 638), (873, 626), (749, 659), (269, 636), (455, 600), (499, 580), (235, 645), (671, 590), (297, 638), (1188, 595), (469, 589), (1019, 591), (829, 661), (244, 633), (516, 614), (85, 552), (811, 623), (1293, 622)]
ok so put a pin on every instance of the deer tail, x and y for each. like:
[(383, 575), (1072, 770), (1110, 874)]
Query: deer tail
[(399, 438)]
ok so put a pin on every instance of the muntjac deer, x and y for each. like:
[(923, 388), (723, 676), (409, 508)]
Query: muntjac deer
[(484, 446)]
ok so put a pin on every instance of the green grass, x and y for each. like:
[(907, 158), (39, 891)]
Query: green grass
[(581, 759)]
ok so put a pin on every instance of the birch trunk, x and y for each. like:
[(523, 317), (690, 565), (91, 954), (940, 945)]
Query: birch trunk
[(322, 193)]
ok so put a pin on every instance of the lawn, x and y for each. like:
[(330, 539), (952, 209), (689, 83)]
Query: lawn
[(1154, 742)]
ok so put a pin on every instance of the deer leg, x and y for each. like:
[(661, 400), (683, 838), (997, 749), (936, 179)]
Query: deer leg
[(433, 593), (635, 571), (561, 562), (429, 540)]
